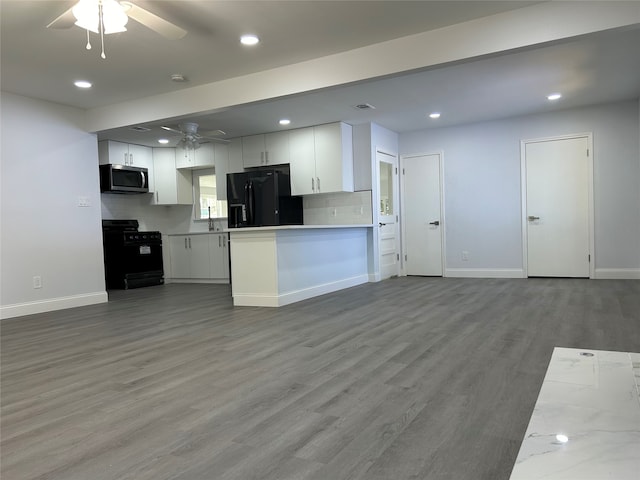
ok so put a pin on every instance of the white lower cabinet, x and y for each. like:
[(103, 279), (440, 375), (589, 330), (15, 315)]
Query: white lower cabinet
[(199, 257), (219, 255)]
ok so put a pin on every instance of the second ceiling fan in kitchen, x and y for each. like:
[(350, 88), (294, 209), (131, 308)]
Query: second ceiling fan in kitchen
[(190, 136)]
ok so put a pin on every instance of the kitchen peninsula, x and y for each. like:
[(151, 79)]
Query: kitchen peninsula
[(276, 266)]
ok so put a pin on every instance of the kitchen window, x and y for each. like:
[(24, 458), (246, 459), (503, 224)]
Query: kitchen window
[(204, 190)]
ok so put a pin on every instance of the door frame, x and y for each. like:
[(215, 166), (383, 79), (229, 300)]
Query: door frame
[(443, 233), (523, 192), (376, 217)]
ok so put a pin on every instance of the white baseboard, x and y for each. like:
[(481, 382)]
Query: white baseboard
[(484, 273), (617, 273), (249, 300), (197, 280), (51, 304)]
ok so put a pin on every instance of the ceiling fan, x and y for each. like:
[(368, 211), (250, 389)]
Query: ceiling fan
[(190, 136), (139, 14)]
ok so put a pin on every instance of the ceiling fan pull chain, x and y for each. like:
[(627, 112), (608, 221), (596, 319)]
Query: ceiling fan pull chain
[(101, 22), (88, 47)]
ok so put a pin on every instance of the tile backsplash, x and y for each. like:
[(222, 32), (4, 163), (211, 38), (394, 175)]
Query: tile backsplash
[(338, 208), (321, 209)]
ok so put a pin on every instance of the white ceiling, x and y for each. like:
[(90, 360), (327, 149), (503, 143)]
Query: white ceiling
[(42, 63)]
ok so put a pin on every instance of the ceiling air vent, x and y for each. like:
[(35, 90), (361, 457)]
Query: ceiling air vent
[(141, 129), (364, 106)]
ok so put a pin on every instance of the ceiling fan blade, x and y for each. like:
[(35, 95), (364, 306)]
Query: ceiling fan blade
[(214, 133), (169, 129), (214, 139), (154, 22), (66, 20)]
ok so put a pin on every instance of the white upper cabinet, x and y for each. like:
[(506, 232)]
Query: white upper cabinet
[(119, 153), (221, 169), (334, 157), (235, 156), (322, 159), (173, 187), (265, 150), (201, 157), (303, 161)]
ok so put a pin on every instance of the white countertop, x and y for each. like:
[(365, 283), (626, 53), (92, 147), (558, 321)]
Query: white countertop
[(211, 232), (293, 227), (586, 421)]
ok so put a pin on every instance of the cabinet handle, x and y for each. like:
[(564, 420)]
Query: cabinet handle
[(157, 197), (219, 241), (318, 182), (224, 241), (131, 159), (266, 157), (126, 159), (189, 242), (185, 242), (313, 187)]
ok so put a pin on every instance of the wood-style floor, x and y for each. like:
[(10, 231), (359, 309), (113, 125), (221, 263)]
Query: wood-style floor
[(410, 378)]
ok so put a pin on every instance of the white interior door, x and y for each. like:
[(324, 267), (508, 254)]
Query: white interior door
[(389, 234), (421, 219), (557, 207)]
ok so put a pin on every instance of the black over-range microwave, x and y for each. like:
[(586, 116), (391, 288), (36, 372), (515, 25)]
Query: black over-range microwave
[(123, 179)]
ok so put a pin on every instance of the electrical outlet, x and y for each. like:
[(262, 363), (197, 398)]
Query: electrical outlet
[(37, 281), (465, 255)]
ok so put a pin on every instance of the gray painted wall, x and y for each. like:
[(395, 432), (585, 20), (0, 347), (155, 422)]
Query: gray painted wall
[(482, 183), (47, 162)]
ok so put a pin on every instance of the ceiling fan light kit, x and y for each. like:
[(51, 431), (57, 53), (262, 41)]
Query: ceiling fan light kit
[(100, 16), (93, 14), (110, 16)]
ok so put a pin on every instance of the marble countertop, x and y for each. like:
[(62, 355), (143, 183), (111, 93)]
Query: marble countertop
[(586, 421)]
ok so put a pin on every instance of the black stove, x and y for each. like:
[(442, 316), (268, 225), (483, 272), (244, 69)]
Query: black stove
[(132, 259)]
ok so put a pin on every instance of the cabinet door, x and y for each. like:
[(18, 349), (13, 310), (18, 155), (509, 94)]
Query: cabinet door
[(185, 157), (334, 158), (199, 260), (116, 153), (253, 151), (219, 256), (172, 187), (221, 169), (303, 161), (235, 156), (277, 148), (180, 256), (204, 156)]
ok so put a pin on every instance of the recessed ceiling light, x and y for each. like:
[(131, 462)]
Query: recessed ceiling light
[(82, 84), (554, 96), (163, 141), (562, 438), (178, 77), (249, 39), (434, 115), (284, 121)]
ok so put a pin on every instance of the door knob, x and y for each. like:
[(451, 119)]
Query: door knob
[(382, 224), (532, 218), (436, 223)]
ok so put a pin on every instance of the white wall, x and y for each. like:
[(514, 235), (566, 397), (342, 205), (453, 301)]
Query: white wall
[(47, 162), (482, 185)]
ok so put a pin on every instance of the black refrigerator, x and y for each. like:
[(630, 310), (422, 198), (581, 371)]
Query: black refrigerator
[(262, 197)]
